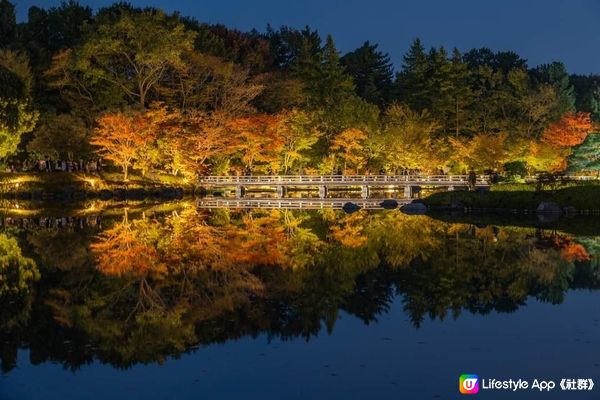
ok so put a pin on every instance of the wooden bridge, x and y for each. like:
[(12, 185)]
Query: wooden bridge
[(291, 204), (326, 182)]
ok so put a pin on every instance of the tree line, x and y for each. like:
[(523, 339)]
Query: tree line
[(153, 91)]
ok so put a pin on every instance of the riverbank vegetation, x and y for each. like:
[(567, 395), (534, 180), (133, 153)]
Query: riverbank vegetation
[(153, 92)]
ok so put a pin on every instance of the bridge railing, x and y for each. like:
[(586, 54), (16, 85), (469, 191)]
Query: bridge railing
[(324, 179)]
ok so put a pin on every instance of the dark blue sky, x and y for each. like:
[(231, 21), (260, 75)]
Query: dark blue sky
[(539, 30)]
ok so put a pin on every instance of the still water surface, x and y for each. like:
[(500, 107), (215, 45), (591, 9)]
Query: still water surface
[(174, 302)]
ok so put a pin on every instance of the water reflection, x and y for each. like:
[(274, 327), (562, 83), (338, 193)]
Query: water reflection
[(137, 286)]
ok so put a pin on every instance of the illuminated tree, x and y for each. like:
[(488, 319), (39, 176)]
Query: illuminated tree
[(349, 146), (481, 152), (16, 116), (299, 135), (546, 157), (406, 141), (256, 142), (119, 137), (134, 52), (201, 137), (570, 130)]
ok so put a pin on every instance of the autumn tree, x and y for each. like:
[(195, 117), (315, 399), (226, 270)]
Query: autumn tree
[(570, 130), (348, 145), (543, 156), (256, 142), (299, 134), (407, 139), (119, 137), (481, 152), (199, 138)]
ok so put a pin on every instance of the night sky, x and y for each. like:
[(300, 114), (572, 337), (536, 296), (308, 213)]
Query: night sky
[(539, 30)]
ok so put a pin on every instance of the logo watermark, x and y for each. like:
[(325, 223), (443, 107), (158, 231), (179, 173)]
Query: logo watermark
[(468, 384), (472, 384)]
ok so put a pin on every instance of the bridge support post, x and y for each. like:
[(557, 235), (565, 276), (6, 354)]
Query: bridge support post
[(240, 191), (281, 191), (364, 191), (408, 192), (322, 191)]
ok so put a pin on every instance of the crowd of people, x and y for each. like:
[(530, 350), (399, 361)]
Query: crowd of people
[(50, 165)]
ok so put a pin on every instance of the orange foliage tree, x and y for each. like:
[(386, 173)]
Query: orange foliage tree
[(119, 137), (257, 142), (570, 130), (199, 138)]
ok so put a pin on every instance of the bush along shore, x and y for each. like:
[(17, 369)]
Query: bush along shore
[(572, 198), (81, 186)]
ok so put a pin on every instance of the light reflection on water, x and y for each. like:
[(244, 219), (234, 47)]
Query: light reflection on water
[(171, 301)]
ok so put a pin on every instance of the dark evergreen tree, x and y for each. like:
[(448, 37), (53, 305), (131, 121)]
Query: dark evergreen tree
[(587, 94), (461, 93), (503, 61), (438, 93), (556, 75), (372, 73), (326, 82), (411, 83), (8, 24), (288, 44)]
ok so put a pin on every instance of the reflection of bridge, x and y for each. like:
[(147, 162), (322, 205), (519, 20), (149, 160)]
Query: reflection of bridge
[(326, 182), (296, 204)]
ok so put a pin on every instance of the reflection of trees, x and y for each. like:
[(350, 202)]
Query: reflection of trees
[(161, 284), (478, 272), (17, 276), (17, 273)]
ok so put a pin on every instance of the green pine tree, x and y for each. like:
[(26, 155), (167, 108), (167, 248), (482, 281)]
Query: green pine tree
[(586, 156), (372, 73), (411, 82)]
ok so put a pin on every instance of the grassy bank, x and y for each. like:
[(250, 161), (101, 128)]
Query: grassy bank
[(54, 182), (583, 196)]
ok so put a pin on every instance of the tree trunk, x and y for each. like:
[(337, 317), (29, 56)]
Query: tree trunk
[(125, 170)]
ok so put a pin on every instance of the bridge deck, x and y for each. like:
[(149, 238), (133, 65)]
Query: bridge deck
[(341, 180), (298, 204)]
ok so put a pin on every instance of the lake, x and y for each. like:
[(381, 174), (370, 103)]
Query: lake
[(172, 301)]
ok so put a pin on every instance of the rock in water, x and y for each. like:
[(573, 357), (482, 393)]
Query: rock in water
[(350, 207), (389, 204), (414, 208), (546, 207)]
